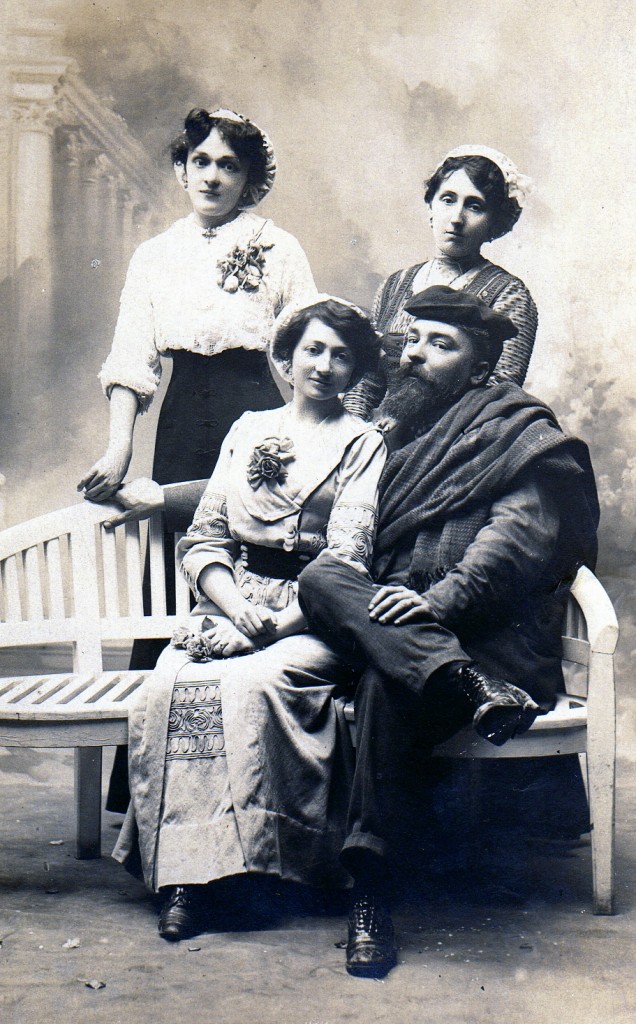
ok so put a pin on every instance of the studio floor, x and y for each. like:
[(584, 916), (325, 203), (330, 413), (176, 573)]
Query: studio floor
[(497, 928)]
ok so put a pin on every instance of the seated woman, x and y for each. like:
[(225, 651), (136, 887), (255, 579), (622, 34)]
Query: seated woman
[(474, 195), (242, 764)]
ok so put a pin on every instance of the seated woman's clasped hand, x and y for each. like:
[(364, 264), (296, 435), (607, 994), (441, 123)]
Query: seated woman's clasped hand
[(228, 640)]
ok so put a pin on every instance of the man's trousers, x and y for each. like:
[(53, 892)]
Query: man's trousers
[(403, 703)]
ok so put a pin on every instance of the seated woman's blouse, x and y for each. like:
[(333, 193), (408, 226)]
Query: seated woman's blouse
[(267, 491), (179, 294)]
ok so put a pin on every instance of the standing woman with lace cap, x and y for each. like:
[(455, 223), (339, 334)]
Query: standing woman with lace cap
[(203, 294), (475, 195)]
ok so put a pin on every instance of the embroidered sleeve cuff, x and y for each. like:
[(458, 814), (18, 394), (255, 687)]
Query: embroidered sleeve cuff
[(208, 541), (351, 532)]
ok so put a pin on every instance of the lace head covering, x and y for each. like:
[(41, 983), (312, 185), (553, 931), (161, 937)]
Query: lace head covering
[(518, 185), (199, 123), (254, 191)]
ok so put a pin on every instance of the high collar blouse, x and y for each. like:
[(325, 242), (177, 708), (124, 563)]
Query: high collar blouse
[(173, 298)]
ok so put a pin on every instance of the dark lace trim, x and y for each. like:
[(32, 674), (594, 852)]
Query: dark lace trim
[(195, 726)]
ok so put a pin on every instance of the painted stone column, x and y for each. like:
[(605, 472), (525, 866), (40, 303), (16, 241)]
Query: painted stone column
[(35, 72), (32, 191), (34, 180)]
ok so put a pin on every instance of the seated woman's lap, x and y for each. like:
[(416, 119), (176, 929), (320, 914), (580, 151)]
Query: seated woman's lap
[(303, 660)]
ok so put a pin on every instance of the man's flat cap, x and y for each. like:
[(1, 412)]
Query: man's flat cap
[(462, 310)]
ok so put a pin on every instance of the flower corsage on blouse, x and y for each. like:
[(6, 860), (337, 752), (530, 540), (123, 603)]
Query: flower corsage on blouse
[(243, 267), (268, 461)]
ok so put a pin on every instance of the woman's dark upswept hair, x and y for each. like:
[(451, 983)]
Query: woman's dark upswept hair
[(352, 327), (487, 177), (245, 140)]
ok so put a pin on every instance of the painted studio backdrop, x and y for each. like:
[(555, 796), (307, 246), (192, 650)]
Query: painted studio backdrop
[(361, 100)]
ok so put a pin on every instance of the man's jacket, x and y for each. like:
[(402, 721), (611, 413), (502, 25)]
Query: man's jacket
[(490, 513)]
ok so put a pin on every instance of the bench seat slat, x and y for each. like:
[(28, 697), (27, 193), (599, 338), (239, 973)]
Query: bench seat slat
[(90, 690), (110, 687), (75, 690), (13, 688), (24, 694), (127, 684), (53, 687), (70, 697)]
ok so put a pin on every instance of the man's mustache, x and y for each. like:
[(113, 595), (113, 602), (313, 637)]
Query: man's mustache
[(413, 373)]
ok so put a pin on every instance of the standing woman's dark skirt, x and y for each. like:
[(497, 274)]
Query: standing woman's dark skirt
[(205, 396)]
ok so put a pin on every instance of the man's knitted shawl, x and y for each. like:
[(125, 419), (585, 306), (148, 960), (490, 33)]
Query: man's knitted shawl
[(471, 456)]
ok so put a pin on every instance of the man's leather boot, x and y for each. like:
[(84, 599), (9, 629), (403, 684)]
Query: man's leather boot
[(500, 710), (371, 951)]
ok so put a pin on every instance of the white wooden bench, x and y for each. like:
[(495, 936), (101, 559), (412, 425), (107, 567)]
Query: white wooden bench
[(65, 579)]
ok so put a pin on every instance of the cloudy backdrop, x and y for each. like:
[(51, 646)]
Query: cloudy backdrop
[(361, 100)]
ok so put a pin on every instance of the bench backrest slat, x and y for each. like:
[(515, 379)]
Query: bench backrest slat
[(182, 590), (157, 567), (33, 586), (110, 573), (53, 562), (11, 589), (134, 569), (87, 653)]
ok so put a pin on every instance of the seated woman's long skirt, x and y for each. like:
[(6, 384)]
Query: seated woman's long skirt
[(240, 765)]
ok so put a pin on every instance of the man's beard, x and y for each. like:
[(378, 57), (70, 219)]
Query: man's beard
[(414, 402)]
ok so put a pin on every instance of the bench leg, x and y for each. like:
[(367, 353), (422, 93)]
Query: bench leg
[(88, 802), (601, 772)]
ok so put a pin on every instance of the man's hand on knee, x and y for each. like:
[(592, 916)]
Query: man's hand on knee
[(398, 604)]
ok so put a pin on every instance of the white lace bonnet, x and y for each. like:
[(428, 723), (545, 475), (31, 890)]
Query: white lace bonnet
[(518, 185), (253, 192)]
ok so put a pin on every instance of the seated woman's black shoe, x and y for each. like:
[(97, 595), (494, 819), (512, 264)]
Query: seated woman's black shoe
[(501, 710), (371, 951), (180, 916)]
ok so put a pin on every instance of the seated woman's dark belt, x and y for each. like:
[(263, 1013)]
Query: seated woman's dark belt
[(274, 562)]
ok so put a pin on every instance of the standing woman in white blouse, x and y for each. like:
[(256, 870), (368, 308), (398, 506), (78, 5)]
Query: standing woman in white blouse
[(204, 294)]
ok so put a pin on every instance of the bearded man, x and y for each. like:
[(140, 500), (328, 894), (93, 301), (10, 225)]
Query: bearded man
[(486, 512)]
